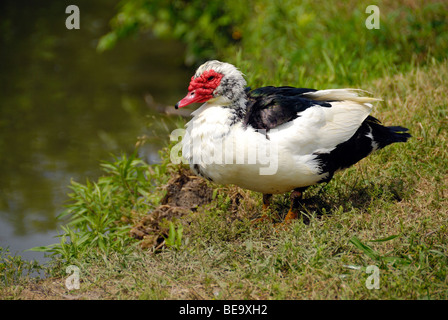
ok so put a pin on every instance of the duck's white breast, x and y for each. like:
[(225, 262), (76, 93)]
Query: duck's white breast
[(228, 153)]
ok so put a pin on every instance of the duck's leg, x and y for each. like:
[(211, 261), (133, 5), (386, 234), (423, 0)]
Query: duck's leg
[(267, 197), (266, 203), (296, 197)]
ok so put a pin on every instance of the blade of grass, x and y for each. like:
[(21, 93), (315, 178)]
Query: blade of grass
[(364, 248)]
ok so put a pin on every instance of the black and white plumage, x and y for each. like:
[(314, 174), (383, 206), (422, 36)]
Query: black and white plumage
[(306, 135)]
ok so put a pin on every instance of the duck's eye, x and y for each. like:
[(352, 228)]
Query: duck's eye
[(210, 78)]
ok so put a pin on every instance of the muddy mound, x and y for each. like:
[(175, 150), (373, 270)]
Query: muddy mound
[(185, 193)]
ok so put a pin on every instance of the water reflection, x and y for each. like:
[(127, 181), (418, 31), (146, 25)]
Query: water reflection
[(64, 107)]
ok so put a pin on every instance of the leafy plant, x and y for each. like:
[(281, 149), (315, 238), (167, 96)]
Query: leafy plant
[(100, 213), (14, 268), (205, 27), (174, 239)]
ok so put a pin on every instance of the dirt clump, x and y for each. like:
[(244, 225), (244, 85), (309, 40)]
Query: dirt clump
[(185, 193)]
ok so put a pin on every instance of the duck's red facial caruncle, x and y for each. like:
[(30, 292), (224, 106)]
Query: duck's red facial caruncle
[(201, 88)]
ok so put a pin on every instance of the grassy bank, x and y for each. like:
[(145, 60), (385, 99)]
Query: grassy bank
[(388, 211)]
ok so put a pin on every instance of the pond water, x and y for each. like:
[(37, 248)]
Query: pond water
[(64, 107)]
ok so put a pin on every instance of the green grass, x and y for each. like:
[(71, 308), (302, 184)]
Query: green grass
[(388, 211)]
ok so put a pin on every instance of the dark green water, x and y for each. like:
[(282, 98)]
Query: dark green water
[(64, 108)]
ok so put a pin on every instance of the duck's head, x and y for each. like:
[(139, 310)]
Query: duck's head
[(215, 81)]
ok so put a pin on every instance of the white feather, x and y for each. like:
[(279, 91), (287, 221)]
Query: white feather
[(340, 95)]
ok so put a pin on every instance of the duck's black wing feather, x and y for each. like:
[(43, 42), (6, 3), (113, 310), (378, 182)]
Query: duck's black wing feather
[(269, 107)]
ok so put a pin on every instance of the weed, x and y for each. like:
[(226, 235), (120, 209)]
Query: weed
[(174, 239)]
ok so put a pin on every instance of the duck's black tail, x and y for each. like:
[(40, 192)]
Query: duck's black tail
[(370, 136)]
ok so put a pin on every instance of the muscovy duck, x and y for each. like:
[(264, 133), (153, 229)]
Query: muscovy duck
[(276, 139)]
